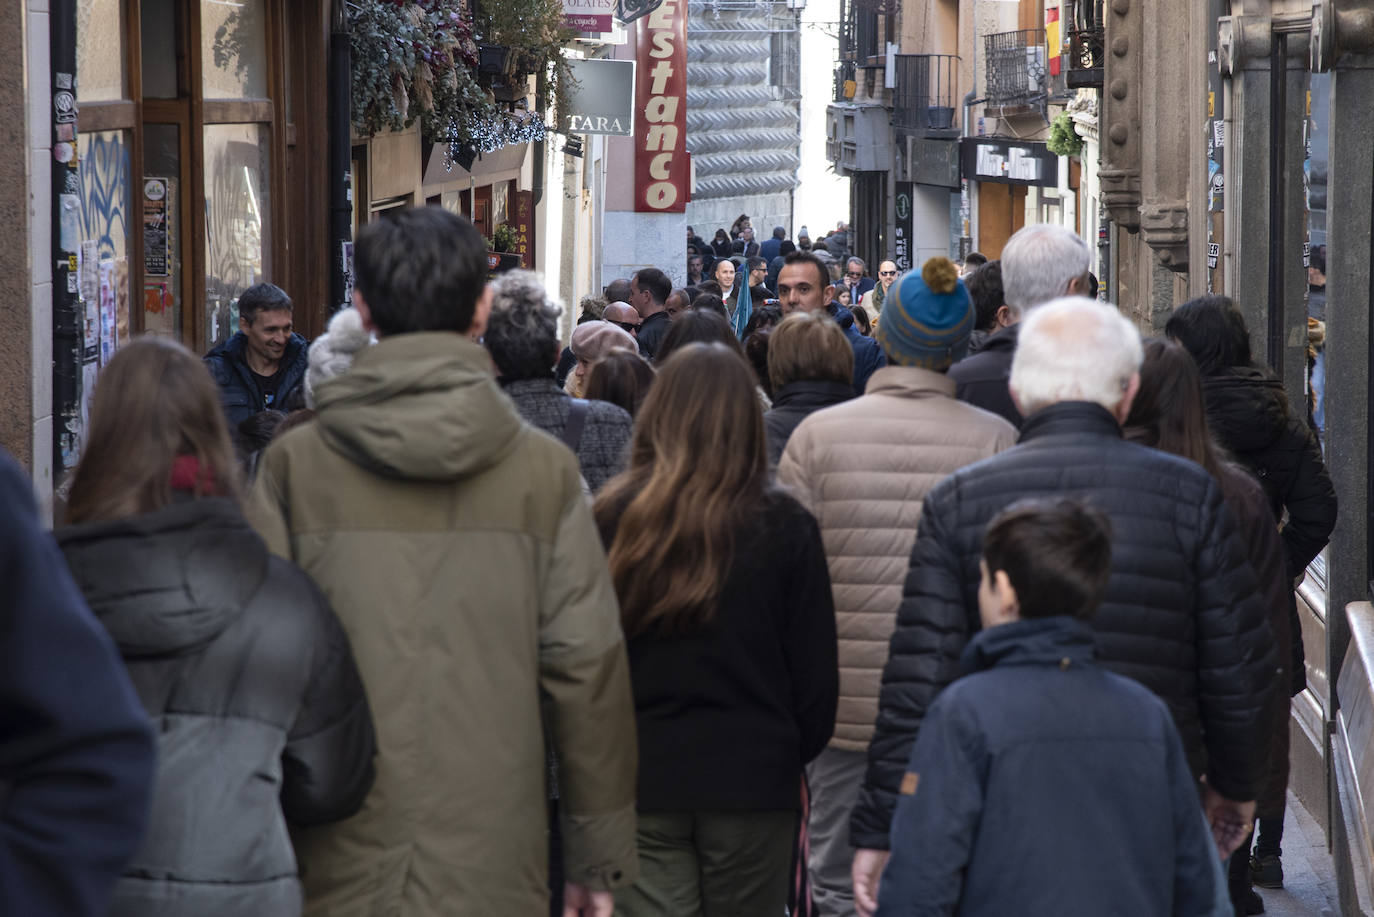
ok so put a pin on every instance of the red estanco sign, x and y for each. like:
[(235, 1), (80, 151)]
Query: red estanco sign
[(662, 172)]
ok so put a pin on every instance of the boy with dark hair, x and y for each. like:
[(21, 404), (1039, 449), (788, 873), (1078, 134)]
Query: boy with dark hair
[(1041, 784)]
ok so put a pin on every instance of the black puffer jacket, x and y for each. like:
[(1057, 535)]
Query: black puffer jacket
[(795, 402), (259, 710), (1182, 615), (1248, 413), (981, 378)]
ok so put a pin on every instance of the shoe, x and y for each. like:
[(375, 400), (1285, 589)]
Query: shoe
[(1266, 871), (1247, 902)]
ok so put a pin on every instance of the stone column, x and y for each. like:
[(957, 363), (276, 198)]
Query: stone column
[(1249, 131), (16, 274), (1349, 256)]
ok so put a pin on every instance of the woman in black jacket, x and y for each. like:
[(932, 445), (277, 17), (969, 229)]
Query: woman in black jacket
[(1249, 414), (725, 599), (260, 716), (811, 366), (1168, 414)]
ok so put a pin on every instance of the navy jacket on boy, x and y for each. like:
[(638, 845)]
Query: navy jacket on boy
[(1045, 785)]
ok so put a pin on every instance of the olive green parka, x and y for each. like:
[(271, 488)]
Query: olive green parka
[(456, 546)]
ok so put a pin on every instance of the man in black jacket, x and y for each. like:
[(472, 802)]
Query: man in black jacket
[(1039, 263), (649, 292), (262, 366), (1182, 613)]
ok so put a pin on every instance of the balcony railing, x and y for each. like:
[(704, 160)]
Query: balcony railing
[(923, 97), (1085, 62), (1016, 70)]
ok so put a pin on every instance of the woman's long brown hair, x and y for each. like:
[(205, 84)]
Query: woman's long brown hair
[(698, 467), (1169, 413), (155, 401)]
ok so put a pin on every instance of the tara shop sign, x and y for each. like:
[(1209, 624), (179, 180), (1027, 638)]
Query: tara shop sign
[(588, 15), (662, 168)]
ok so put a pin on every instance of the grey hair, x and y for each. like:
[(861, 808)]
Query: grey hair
[(522, 331), (332, 353), (855, 259), (1038, 264), (1074, 349)]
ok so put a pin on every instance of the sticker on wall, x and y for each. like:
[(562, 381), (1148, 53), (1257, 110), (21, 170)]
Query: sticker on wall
[(64, 152), (64, 107), (155, 227), (70, 206)]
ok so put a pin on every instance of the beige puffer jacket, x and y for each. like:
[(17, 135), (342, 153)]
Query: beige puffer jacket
[(863, 468)]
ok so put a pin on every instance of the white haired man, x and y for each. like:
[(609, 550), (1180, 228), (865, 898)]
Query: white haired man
[(1039, 263), (1182, 614)]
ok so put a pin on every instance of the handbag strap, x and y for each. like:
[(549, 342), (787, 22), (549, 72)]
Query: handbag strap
[(577, 419)]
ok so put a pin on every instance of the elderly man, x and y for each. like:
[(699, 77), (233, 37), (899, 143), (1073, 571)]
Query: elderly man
[(856, 279), (1183, 614), (1039, 263)]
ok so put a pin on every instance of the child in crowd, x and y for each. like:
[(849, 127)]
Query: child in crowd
[(1041, 784)]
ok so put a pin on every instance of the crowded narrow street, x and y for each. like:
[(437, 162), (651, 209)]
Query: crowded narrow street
[(687, 458)]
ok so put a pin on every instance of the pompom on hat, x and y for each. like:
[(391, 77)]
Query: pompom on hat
[(927, 318)]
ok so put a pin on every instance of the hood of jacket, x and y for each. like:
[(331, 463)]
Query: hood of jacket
[(419, 406), (1247, 407), (1034, 641), (170, 581), (909, 382)]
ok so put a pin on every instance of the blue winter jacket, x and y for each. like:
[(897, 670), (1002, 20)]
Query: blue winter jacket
[(76, 747), (239, 390), (868, 356), (1043, 784)]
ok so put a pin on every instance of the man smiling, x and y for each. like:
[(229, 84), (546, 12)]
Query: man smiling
[(262, 366)]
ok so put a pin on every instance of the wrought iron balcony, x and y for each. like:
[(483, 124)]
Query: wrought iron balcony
[(1016, 70), (1085, 61), (923, 98)]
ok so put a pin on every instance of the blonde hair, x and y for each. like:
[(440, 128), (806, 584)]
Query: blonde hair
[(809, 346)]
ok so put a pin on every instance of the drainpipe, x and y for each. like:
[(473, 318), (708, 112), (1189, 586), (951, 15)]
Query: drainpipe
[(340, 154), (965, 203), (68, 315)]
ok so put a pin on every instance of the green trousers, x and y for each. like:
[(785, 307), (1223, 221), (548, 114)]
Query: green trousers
[(711, 864)]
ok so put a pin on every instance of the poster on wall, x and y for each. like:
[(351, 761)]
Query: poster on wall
[(109, 336), (588, 15), (662, 170), (155, 227)]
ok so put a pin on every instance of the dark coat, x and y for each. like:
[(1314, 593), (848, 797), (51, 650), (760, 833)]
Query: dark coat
[(868, 356), (727, 717), (1248, 413), (651, 332), (238, 389), (76, 748), (793, 403), (1182, 614), (1041, 784), (604, 446), (769, 249), (261, 714), (981, 378)]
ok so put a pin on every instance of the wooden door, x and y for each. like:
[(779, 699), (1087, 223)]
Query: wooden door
[(1001, 211)]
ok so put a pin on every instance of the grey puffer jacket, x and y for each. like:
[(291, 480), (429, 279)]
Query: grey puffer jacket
[(604, 445), (261, 716)]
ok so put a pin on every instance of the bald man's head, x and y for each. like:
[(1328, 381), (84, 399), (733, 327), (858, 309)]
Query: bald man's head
[(622, 314)]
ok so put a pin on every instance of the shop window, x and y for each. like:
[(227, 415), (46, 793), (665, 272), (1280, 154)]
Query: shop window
[(99, 51), (233, 50), (237, 196)]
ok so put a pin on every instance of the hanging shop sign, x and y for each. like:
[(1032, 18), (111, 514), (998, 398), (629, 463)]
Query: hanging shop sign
[(589, 15), (1009, 162), (903, 229), (662, 172), (601, 98)]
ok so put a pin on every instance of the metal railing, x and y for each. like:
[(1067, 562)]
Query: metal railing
[(923, 97), (1016, 69), (1086, 57)]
